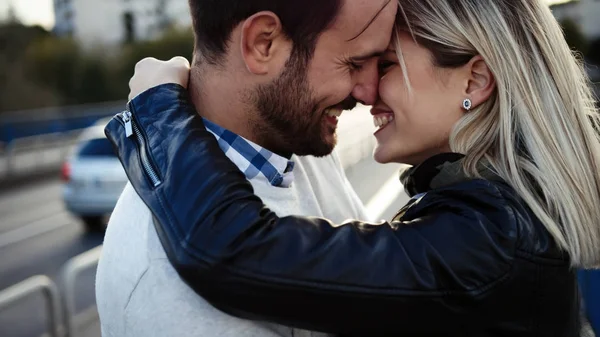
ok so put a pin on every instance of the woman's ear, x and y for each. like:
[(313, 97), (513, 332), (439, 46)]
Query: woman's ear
[(480, 81), (264, 44)]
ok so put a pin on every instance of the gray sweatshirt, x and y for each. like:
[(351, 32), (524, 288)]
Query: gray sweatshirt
[(139, 294)]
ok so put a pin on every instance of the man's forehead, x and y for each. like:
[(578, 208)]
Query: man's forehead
[(364, 27), (356, 16)]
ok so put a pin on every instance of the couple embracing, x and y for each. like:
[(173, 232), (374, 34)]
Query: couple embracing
[(235, 222)]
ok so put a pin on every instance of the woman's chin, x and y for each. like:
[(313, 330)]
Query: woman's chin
[(391, 154), (381, 156)]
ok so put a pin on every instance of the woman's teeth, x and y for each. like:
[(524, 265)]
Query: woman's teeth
[(380, 121), (334, 112)]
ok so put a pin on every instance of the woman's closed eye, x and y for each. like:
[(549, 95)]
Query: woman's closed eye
[(384, 65), (387, 60)]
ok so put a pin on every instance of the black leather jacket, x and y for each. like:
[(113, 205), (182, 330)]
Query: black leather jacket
[(467, 259)]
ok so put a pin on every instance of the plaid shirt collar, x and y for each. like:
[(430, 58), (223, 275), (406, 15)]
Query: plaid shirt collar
[(255, 161)]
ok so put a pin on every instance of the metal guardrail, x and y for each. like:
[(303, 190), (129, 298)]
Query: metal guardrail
[(24, 123), (71, 271), (36, 136), (62, 112), (30, 154), (42, 284), (57, 306)]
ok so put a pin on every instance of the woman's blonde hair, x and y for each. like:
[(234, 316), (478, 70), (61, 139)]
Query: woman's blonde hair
[(537, 131)]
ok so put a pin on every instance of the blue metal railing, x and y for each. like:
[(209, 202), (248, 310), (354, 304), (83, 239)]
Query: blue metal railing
[(28, 123)]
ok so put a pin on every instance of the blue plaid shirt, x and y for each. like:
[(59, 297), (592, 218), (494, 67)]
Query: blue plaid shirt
[(255, 161)]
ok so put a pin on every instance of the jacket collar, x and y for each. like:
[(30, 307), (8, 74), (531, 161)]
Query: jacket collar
[(440, 171)]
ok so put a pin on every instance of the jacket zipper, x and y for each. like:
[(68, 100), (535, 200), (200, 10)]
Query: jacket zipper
[(132, 129)]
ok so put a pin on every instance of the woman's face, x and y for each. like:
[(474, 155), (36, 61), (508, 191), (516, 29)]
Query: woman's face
[(421, 120)]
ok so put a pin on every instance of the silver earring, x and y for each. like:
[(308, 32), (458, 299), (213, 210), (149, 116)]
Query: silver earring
[(467, 104)]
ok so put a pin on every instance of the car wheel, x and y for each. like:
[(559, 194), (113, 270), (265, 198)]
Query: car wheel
[(94, 223)]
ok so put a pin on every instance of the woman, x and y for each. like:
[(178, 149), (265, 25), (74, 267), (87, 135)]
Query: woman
[(485, 99)]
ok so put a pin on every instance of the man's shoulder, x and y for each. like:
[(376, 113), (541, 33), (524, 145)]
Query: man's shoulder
[(129, 206), (129, 223)]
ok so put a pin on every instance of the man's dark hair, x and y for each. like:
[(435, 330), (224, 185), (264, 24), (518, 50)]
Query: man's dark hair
[(302, 20)]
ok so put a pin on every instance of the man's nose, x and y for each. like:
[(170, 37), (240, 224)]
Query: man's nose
[(367, 84)]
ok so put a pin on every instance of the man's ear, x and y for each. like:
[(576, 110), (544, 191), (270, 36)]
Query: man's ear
[(264, 43), (480, 82)]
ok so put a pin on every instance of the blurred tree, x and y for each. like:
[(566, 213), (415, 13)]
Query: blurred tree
[(94, 81), (174, 42), (15, 38), (38, 69), (129, 23), (574, 36), (17, 90), (79, 77), (54, 63)]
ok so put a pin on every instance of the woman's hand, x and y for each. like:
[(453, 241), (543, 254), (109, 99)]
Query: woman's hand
[(151, 72)]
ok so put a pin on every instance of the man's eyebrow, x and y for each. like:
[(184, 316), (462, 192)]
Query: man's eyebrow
[(372, 20), (366, 57)]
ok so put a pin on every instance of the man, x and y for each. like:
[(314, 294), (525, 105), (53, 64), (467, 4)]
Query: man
[(270, 78)]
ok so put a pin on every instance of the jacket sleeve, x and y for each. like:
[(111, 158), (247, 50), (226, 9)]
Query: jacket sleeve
[(355, 278)]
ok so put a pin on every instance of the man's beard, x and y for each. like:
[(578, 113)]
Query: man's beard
[(289, 119)]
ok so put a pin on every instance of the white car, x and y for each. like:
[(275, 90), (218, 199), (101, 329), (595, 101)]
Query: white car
[(93, 178)]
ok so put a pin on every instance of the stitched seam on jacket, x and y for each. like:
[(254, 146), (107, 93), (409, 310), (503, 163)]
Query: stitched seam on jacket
[(167, 211)]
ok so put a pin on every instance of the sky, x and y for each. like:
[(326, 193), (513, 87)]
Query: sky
[(31, 12), (41, 12)]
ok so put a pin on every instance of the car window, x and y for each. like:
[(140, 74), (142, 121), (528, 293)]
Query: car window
[(99, 147)]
